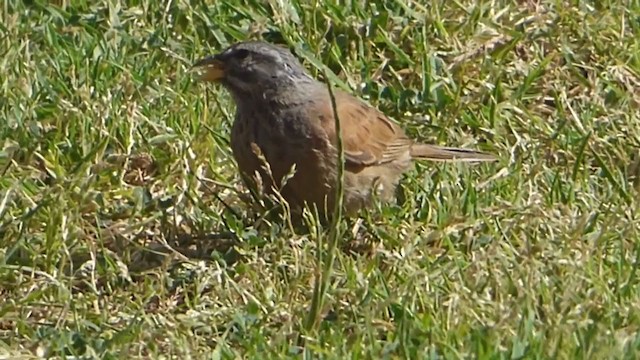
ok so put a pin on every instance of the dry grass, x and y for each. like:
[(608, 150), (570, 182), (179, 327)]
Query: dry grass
[(124, 231)]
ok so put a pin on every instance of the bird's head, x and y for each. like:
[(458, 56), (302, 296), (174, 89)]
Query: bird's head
[(252, 67)]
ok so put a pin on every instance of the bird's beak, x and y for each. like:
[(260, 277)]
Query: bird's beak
[(209, 68)]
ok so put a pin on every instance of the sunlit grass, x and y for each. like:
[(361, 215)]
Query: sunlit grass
[(125, 232)]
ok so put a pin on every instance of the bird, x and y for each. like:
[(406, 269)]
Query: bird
[(283, 135)]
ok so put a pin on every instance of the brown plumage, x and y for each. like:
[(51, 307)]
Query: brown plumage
[(286, 116)]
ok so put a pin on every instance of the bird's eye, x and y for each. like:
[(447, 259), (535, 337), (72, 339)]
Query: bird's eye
[(242, 54)]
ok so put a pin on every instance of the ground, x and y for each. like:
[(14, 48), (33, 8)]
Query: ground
[(125, 232)]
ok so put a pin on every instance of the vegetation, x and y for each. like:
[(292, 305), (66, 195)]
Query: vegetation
[(125, 232)]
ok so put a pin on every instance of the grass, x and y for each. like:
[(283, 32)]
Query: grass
[(124, 233)]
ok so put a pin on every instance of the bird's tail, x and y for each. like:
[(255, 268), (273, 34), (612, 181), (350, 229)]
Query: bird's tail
[(439, 153)]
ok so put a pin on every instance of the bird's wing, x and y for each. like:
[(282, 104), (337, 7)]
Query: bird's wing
[(368, 136)]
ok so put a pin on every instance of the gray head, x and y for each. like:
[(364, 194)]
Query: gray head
[(252, 67)]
